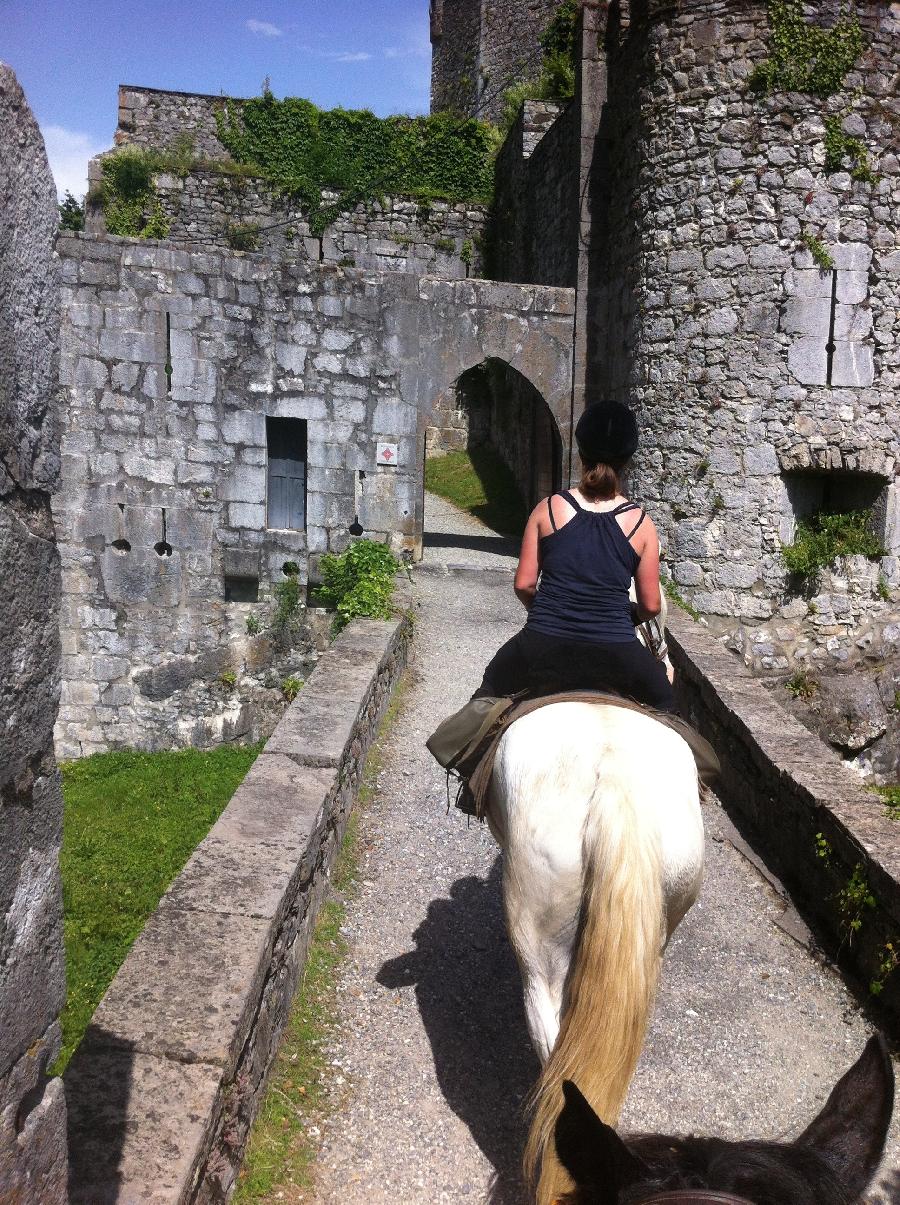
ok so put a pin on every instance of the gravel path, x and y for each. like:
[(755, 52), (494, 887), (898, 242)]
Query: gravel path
[(433, 1060)]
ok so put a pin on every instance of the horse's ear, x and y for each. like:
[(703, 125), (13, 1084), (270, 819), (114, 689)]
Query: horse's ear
[(850, 1131), (592, 1152)]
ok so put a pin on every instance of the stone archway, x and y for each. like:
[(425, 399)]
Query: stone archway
[(493, 404), (516, 341)]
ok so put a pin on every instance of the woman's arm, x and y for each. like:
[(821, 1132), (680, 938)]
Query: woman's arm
[(646, 577), (529, 567)]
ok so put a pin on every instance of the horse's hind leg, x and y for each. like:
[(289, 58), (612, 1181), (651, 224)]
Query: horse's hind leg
[(542, 929)]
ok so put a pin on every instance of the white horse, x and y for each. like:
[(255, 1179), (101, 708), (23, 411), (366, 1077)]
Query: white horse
[(597, 809)]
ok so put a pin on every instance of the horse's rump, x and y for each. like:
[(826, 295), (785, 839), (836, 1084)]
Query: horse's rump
[(598, 811)]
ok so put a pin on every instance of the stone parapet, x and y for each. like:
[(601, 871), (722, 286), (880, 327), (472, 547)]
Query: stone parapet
[(167, 1081), (816, 827)]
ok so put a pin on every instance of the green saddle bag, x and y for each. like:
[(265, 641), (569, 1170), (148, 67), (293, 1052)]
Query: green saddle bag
[(461, 735)]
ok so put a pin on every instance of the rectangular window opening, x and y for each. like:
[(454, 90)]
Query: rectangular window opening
[(286, 476), (241, 589), (832, 493)]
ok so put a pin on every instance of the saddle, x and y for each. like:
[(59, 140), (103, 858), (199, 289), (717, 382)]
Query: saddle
[(465, 744)]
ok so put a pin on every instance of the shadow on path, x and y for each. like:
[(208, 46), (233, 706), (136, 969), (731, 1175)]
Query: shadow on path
[(502, 545), (470, 998)]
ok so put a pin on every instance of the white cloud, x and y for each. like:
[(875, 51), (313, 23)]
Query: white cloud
[(69, 152), (349, 56), (264, 28)]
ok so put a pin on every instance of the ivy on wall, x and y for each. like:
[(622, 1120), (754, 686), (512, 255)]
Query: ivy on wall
[(302, 149), (128, 196), (807, 58), (560, 54)]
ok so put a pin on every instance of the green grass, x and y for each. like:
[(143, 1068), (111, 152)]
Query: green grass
[(131, 821), (891, 797), (478, 481), (279, 1162)]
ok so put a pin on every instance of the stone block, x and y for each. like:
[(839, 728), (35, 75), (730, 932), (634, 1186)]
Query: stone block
[(853, 365), (264, 845), (852, 323), (145, 347), (244, 427), (808, 282), (242, 514), (291, 357), (851, 257), (137, 1124), (761, 461), (808, 361), (852, 287), (33, 1162), (245, 483), (807, 316)]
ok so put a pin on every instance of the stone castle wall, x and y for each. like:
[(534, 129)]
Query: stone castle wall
[(172, 361), (391, 234), (480, 48), (533, 229), (157, 119), (715, 319), (32, 974)]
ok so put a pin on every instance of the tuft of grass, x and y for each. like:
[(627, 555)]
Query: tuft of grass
[(891, 797), (130, 822), (672, 593), (291, 687), (802, 685), (279, 1162), (479, 482)]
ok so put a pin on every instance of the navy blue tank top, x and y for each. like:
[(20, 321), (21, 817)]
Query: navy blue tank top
[(586, 570)]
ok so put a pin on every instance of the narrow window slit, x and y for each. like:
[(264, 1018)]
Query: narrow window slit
[(168, 367), (831, 346)]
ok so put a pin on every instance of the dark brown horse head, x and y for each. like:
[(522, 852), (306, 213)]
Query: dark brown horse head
[(832, 1161)]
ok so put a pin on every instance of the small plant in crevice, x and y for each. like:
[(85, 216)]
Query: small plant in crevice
[(127, 193), (359, 581), (291, 687), (671, 592), (840, 146), (853, 900), (891, 796), (883, 589), (228, 679), (287, 597), (242, 237), (802, 685), (822, 538), (824, 852), (819, 252), (888, 961), (254, 624), (467, 252)]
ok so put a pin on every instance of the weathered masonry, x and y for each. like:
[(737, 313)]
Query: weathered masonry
[(225, 414), (685, 209), (32, 977)]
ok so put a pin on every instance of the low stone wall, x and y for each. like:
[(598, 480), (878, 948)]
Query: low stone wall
[(817, 828), (164, 1087)]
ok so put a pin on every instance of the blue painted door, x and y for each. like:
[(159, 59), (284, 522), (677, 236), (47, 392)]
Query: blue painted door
[(286, 441)]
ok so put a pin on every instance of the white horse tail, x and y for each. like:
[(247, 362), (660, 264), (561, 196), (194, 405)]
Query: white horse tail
[(614, 975)]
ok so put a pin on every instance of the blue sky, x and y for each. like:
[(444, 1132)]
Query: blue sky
[(71, 55)]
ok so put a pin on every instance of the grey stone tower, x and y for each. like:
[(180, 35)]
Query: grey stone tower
[(482, 47)]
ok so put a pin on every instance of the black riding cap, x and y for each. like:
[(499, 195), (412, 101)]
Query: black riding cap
[(607, 433)]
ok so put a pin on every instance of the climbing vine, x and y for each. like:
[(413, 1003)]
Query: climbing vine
[(807, 58), (558, 65), (128, 196), (302, 150), (812, 59)]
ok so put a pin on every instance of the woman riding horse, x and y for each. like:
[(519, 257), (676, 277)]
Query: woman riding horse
[(580, 552)]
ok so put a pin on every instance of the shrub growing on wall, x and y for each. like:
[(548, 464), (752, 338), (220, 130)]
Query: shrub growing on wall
[(128, 194), (304, 149), (359, 582)]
